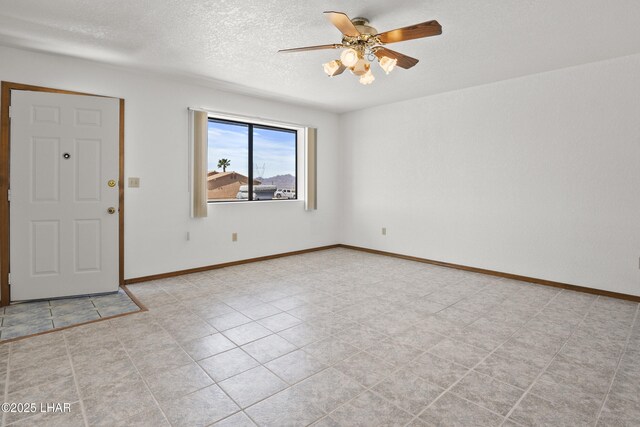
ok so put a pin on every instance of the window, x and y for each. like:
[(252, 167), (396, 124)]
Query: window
[(249, 162)]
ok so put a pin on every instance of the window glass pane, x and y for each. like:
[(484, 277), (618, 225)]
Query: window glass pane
[(274, 163), (228, 161)]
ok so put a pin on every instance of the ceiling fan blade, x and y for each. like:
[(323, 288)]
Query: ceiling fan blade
[(342, 23), (404, 61), (340, 71), (424, 29), (319, 47)]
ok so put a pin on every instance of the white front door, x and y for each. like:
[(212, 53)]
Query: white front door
[(64, 152)]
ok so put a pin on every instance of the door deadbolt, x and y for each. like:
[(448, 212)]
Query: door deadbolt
[(111, 210), (111, 183)]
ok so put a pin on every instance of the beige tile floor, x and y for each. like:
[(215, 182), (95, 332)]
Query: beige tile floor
[(338, 338)]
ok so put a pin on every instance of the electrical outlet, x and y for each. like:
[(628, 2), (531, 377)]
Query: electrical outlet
[(134, 182), (234, 237), (384, 231)]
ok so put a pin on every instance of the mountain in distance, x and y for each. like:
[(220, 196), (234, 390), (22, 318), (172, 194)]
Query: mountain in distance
[(280, 181)]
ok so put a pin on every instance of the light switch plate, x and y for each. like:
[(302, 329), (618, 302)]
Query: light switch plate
[(134, 182)]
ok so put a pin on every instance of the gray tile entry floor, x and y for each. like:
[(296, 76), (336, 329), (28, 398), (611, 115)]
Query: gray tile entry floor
[(339, 338), (30, 318)]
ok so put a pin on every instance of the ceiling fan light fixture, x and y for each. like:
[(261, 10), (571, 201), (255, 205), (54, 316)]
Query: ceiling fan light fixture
[(333, 68), (388, 64), (360, 41), (367, 78), (349, 57), (361, 67)]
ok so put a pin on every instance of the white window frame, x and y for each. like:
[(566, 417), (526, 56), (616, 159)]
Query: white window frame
[(301, 150)]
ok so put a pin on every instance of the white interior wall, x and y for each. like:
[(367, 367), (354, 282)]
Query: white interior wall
[(156, 150), (537, 176)]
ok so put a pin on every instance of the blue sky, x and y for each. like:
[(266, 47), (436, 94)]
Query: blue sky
[(271, 148)]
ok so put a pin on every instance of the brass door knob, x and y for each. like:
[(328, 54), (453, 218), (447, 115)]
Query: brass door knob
[(111, 210)]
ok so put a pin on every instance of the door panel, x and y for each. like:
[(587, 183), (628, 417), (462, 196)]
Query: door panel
[(64, 151), (86, 117), (45, 247), (45, 114), (88, 245), (46, 178), (88, 165)]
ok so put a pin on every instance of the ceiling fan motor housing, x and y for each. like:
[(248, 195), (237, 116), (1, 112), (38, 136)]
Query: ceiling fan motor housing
[(362, 25)]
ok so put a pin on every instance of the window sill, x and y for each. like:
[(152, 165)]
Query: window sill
[(258, 202)]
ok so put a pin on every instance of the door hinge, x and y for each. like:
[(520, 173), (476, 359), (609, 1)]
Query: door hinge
[(10, 111), (8, 195), (9, 280)]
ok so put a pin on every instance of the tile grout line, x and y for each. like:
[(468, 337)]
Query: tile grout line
[(242, 409), (232, 415), (265, 367), (138, 372), (290, 386), (51, 318), (75, 380), (448, 389), (396, 370), (370, 388), (263, 364), (366, 389), (221, 332), (542, 372), (357, 322), (94, 306), (35, 414), (214, 381), (217, 331), (196, 362), (622, 354)]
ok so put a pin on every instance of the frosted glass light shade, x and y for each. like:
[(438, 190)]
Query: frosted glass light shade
[(367, 78), (349, 57), (388, 64), (360, 67), (333, 68)]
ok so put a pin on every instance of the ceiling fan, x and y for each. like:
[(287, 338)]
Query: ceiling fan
[(362, 44)]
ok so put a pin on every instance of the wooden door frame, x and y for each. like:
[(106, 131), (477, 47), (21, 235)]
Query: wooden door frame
[(5, 160)]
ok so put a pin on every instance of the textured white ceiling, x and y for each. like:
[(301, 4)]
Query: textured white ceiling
[(232, 44)]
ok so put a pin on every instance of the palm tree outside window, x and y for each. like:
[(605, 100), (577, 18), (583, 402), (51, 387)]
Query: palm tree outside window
[(224, 164)]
